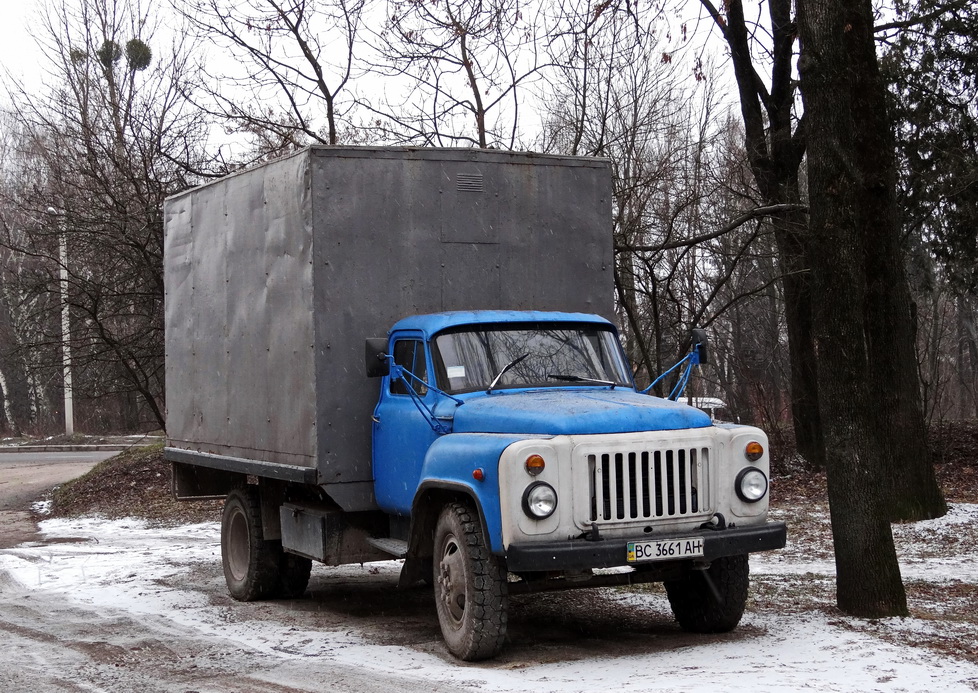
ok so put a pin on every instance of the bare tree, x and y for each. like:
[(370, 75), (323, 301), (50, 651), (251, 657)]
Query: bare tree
[(613, 96), (458, 70), (452, 72), (775, 143), (683, 196), (97, 153), (281, 67)]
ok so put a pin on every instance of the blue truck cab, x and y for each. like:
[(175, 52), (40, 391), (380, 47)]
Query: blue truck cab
[(406, 354)]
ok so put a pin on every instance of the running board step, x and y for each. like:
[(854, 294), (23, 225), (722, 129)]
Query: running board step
[(395, 547)]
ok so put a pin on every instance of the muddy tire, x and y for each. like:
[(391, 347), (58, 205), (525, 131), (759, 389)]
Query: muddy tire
[(694, 604), (470, 586), (294, 574), (251, 564)]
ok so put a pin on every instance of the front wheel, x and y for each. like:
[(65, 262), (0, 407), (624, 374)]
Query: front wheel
[(701, 610), (470, 586)]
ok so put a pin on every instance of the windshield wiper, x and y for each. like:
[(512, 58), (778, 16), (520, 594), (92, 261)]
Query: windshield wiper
[(579, 379), (503, 371)]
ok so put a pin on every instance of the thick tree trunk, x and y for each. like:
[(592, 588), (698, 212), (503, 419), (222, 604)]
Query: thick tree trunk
[(913, 492), (834, 34)]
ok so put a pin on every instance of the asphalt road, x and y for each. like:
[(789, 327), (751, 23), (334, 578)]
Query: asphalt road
[(27, 476)]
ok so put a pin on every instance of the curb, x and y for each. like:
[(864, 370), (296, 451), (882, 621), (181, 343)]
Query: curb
[(107, 447)]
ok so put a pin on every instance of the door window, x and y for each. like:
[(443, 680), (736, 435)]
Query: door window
[(409, 354)]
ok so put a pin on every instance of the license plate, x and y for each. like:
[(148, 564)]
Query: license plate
[(664, 550)]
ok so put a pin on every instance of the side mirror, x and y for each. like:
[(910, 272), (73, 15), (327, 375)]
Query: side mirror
[(701, 345), (375, 357)]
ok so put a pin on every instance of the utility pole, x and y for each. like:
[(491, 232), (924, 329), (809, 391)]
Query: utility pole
[(65, 326)]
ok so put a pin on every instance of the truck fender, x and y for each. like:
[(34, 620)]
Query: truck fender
[(469, 462), (447, 475), (432, 496)]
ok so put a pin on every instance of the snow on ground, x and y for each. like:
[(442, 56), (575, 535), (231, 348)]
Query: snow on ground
[(130, 567)]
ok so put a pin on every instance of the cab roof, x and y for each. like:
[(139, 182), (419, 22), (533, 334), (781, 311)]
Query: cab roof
[(433, 323)]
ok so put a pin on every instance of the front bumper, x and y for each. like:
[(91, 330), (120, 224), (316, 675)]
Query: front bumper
[(581, 554)]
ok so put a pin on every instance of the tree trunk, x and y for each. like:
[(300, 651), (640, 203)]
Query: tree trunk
[(913, 492), (834, 36), (969, 368), (796, 284), (775, 155)]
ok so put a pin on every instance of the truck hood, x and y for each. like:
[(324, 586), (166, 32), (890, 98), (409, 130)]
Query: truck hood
[(565, 411)]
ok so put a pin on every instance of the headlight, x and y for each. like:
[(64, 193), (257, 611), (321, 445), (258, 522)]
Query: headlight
[(751, 485), (539, 500)]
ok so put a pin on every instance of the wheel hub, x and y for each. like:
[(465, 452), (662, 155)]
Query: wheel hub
[(451, 580), (238, 549)]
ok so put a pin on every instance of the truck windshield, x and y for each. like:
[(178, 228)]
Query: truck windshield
[(470, 358)]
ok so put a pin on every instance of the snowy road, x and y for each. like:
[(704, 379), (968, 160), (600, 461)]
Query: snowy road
[(119, 606), (26, 475)]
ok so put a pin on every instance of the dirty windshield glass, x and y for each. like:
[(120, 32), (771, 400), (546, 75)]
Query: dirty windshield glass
[(471, 358)]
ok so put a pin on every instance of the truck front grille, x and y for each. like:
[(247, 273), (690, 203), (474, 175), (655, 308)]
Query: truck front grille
[(649, 484)]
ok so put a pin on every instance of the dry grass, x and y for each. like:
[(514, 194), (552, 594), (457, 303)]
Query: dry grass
[(135, 483)]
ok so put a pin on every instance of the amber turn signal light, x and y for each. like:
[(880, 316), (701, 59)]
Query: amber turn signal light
[(753, 451), (535, 464)]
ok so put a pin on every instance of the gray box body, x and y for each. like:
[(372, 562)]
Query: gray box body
[(276, 275)]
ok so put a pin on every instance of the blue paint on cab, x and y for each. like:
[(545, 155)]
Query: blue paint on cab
[(571, 411)]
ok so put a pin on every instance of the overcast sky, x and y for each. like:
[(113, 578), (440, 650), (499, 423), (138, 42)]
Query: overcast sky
[(18, 53)]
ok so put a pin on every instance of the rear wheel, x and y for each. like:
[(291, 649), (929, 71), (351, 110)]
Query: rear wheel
[(251, 564), (256, 568), (694, 603), (470, 586)]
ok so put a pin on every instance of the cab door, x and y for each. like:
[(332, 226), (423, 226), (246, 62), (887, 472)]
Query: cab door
[(401, 434)]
